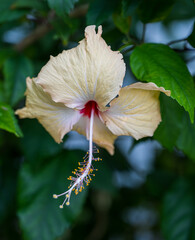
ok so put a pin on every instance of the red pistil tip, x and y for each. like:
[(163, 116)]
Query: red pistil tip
[(89, 106)]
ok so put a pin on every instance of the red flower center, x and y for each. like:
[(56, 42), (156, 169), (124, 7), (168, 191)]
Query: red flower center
[(86, 111)]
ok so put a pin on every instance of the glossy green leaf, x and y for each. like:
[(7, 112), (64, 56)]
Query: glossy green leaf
[(62, 6), (39, 214), (100, 10), (191, 38), (176, 130), (153, 11), (170, 128), (178, 221), (8, 121), (159, 64), (16, 70)]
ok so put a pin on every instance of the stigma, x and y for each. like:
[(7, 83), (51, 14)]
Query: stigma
[(83, 175), (89, 106)]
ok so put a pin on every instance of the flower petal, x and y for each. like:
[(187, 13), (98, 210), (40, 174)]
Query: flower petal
[(56, 118), (101, 134), (149, 86), (91, 71), (136, 111)]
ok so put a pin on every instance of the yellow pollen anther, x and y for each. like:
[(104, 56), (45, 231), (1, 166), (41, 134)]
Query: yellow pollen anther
[(67, 203), (61, 206), (67, 195), (55, 196)]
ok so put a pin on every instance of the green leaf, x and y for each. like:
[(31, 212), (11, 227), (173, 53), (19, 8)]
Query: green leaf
[(191, 38), (121, 22), (100, 10), (170, 128), (186, 139), (62, 6), (8, 182), (176, 130), (182, 9), (2, 98), (159, 64), (178, 220), (7, 13), (4, 54), (8, 121), (153, 11), (39, 214), (40, 5), (16, 69), (103, 179), (37, 143), (65, 28), (10, 15), (129, 7)]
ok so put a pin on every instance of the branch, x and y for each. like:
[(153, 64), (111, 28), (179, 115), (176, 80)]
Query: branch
[(190, 59), (143, 33), (38, 33), (176, 41), (45, 27), (128, 49), (183, 50), (79, 11)]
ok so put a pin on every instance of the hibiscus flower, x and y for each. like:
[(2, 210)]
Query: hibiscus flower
[(78, 89)]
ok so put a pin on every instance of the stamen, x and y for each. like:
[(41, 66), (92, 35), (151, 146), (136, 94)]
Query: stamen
[(85, 170)]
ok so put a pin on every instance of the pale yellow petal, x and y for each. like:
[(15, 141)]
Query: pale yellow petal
[(149, 86), (101, 134), (90, 71), (56, 118), (136, 112)]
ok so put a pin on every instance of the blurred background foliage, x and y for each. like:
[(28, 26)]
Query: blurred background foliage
[(146, 190)]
